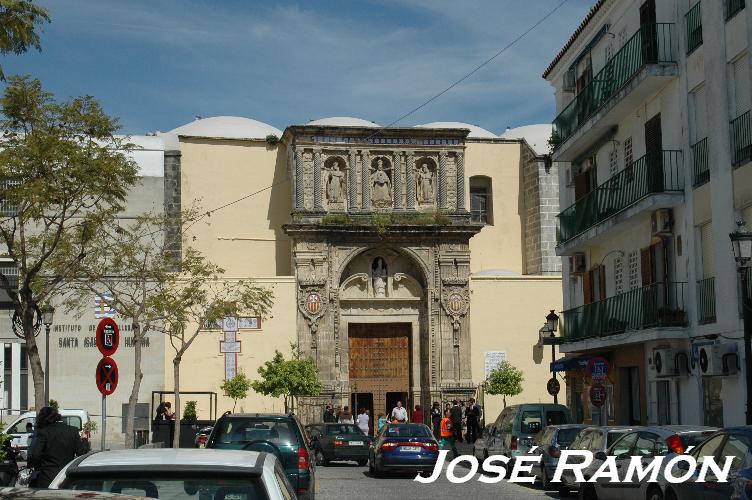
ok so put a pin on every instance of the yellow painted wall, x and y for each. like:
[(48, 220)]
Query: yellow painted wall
[(506, 314)]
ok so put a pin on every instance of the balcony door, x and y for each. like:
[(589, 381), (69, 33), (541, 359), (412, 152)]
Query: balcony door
[(654, 154), (649, 32)]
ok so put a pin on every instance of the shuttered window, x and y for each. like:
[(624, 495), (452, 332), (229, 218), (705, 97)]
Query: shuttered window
[(706, 247)]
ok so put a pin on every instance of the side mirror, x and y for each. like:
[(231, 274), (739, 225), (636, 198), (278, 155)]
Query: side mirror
[(600, 455)]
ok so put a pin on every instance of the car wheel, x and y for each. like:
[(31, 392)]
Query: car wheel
[(362, 462), (654, 494)]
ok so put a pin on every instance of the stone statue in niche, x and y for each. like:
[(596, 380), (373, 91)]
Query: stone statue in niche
[(378, 275), (424, 181), (335, 185), (381, 186)]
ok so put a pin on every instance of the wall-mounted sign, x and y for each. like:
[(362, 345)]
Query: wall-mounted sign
[(493, 359), (598, 368), (229, 347), (103, 306)]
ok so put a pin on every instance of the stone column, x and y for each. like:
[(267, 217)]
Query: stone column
[(317, 184), (352, 177), (365, 159), (442, 181), (298, 179), (410, 180), (397, 180), (460, 161)]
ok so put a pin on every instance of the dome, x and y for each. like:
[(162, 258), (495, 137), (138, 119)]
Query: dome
[(536, 136), (476, 132), (343, 121), (225, 127)]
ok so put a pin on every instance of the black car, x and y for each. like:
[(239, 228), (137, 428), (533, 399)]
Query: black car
[(275, 433), (333, 442)]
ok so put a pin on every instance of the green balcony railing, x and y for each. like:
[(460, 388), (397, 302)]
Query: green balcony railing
[(700, 168), (694, 27), (652, 306), (741, 138), (653, 173), (706, 301), (653, 43), (732, 7)]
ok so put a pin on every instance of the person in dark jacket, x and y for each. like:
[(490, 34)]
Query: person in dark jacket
[(472, 418), (54, 445), (329, 415), (455, 413), (436, 417)]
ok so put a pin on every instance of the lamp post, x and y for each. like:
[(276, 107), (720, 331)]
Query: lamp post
[(741, 242), (550, 327), (48, 314)]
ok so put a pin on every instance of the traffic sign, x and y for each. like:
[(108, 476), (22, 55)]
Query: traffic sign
[(107, 337), (597, 394), (107, 376), (553, 387), (598, 368)]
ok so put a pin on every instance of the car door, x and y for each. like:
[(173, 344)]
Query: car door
[(737, 446), (581, 442), (622, 450), (690, 490), (644, 447)]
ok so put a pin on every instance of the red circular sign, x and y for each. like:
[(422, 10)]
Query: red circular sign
[(598, 368), (598, 395), (108, 336), (107, 376)]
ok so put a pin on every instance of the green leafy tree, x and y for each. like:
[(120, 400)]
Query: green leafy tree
[(236, 388), (189, 414), (54, 404), (19, 20), (505, 380), (288, 378), (64, 175)]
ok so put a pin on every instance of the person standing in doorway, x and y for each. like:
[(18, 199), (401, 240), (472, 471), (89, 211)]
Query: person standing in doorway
[(399, 413), (472, 417), (456, 414), (436, 419), (447, 434), (364, 422), (382, 421), (418, 417), (345, 417)]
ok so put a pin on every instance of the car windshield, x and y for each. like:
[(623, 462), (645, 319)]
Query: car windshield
[(332, 430), (566, 436), (20, 426), (693, 438), (531, 422), (243, 430), (174, 488), (555, 418), (420, 431)]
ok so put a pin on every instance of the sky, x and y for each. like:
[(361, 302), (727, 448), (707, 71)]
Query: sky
[(158, 64)]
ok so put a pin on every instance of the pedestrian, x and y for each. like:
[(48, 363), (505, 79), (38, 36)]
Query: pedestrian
[(399, 413), (472, 416), (418, 415), (345, 417), (54, 445), (363, 422), (456, 413), (447, 434), (164, 411), (382, 421), (329, 414), (338, 413), (436, 419)]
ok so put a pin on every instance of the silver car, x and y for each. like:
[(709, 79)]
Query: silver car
[(550, 442)]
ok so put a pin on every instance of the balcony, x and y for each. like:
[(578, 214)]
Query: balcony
[(706, 301), (636, 71), (741, 139), (732, 7), (653, 174), (659, 305), (694, 28), (700, 167)]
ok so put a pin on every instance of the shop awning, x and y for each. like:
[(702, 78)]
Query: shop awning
[(573, 363)]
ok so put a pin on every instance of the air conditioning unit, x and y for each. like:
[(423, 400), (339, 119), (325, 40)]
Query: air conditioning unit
[(577, 263), (661, 222), (569, 80), (664, 362), (717, 360)]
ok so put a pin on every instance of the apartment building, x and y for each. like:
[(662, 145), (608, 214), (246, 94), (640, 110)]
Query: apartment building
[(653, 142)]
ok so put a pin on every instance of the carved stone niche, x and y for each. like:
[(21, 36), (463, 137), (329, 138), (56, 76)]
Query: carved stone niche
[(425, 181), (381, 182), (334, 177), (380, 274)]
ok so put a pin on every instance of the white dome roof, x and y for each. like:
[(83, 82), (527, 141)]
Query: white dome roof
[(476, 132), (226, 127), (343, 121), (536, 136)]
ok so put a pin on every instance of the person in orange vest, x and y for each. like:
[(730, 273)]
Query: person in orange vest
[(447, 434)]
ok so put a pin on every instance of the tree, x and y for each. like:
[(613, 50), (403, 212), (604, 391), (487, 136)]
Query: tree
[(64, 175), (506, 380), (19, 20), (289, 378), (236, 388)]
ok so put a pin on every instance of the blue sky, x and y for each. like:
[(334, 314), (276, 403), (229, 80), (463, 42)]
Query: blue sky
[(157, 64)]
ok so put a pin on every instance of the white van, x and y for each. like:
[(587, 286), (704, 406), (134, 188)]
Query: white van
[(18, 429)]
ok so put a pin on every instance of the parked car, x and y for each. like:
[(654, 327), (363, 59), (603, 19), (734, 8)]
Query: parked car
[(333, 442), (480, 446), (730, 442), (516, 426), (646, 442), (202, 436), (403, 447), (43, 494), (279, 434), (594, 439), (19, 428), (182, 473), (550, 442)]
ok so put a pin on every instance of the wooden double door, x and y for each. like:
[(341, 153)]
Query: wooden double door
[(379, 361)]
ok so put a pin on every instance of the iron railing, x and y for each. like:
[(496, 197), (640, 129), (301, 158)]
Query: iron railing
[(694, 27), (653, 173), (653, 43), (732, 7), (656, 305), (701, 170), (706, 301), (741, 138)]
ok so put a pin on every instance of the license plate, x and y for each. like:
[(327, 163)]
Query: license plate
[(356, 443), (410, 448)]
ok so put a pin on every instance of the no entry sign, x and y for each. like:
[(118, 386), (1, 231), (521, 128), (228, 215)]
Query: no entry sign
[(108, 336), (107, 376)]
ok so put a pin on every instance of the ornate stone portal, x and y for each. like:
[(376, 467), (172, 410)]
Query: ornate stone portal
[(377, 284)]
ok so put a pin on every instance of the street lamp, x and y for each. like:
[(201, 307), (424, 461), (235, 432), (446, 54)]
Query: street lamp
[(741, 242), (547, 336), (552, 321), (48, 314)]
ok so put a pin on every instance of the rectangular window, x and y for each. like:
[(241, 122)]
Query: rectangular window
[(633, 261), (739, 82), (698, 114), (712, 396), (708, 253), (618, 275), (479, 205), (663, 396), (613, 163)]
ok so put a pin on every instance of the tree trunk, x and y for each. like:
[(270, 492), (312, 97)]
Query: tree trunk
[(32, 351), (130, 416), (176, 382), (504, 399)]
